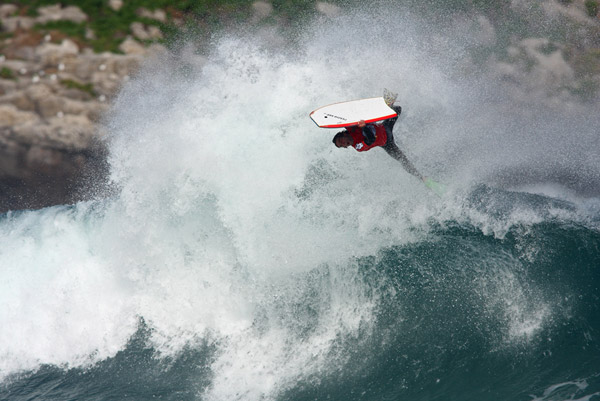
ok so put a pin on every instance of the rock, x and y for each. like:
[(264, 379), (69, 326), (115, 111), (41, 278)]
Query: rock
[(575, 11), (154, 50), (50, 54), (131, 46), (44, 160), (158, 14), (10, 162), (127, 65), (46, 103), (262, 10), (15, 65), (13, 24), (37, 92), (10, 116), (56, 13), (71, 133), (6, 10), (551, 67), (18, 99), (487, 34), (7, 86), (26, 53), (328, 9), (143, 32), (67, 134), (84, 66), (154, 32), (90, 34), (92, 110), (139, 31), (50, 106), (106, 84), (115, 4)]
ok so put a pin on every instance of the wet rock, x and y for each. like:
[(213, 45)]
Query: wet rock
[(43, 160)]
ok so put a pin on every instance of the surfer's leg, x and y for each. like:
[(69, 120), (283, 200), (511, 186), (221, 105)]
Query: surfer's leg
[(389, 124), (392, 149)]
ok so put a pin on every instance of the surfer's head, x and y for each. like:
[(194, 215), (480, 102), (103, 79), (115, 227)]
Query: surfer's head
[(343, 139)]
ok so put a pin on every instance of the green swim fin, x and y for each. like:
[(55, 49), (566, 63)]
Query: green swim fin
[(439, 189)]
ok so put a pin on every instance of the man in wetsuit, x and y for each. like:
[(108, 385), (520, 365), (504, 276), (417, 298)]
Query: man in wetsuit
[(363, 137)]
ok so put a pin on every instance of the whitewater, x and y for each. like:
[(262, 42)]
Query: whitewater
[(236, 254)]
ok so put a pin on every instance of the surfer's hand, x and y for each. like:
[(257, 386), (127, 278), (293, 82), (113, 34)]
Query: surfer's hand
[(361, 123)]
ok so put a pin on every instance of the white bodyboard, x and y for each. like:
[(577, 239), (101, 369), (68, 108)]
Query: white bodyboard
[(345, 114)]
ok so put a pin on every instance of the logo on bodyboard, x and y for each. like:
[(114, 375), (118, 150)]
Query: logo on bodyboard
[(338, 117)]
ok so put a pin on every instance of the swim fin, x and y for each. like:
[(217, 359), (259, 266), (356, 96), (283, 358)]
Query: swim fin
[(439, 189), (389, 97)]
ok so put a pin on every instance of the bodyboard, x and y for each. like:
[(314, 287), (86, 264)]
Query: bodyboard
[(345, 114)]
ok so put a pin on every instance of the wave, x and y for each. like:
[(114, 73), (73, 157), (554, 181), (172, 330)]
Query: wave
[(240, 256)]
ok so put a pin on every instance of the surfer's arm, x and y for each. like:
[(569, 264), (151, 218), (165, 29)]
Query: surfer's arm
[(368, 132)]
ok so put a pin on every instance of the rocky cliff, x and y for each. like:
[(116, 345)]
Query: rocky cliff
[(53, 94)]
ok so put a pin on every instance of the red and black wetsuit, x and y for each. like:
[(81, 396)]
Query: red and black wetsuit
[(372, 135), (368, 137)]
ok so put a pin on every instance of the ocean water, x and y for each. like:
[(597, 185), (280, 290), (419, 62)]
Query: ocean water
[(236, 254)]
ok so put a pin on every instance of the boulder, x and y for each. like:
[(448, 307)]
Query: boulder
[(125, 65), (131, 46), (44, 160), (551, 68), (50, 106), (158, 14), (13, 24), (50, 54), (328, 9), (144, 32), (115, 5), (68, 133), (71, 132), (10, 116), (87, 64), (7, 86), (92, 110), (6, 10), (19, 99), (106, 84), (262, 10), (10, 162), (57, 13), (25, 53)]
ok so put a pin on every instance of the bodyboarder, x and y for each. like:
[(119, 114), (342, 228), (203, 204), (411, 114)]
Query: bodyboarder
[(363, 137)]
